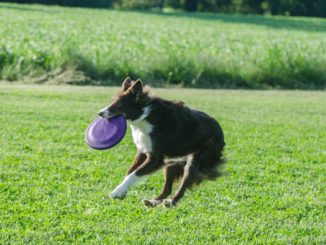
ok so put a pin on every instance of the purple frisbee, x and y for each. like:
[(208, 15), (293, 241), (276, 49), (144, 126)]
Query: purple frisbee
[(105, 133)]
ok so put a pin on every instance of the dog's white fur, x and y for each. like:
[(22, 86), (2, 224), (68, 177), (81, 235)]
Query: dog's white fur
[(140, 133), (121, 190), (141, 129), (151, 202), (105, 111), (168, 203)]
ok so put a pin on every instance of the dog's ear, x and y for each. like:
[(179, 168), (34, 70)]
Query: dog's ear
[(126, 84), (137, 88)]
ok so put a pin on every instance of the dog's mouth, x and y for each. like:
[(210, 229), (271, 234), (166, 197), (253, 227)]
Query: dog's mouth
[(107, 114)]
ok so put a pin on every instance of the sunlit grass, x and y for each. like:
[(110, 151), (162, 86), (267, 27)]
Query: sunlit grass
[(53, 187)]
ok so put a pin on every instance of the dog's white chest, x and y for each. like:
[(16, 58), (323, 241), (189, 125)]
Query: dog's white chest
[(141, 130)]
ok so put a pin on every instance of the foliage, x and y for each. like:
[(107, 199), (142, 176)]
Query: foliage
[(298, 7), (278, 7), (53, 187), (198, 50)]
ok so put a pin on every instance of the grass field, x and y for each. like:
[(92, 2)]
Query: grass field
[(53, 187), (196, 50)]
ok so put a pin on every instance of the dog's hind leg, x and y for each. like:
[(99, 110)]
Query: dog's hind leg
[(204, 164), (171, 172), (188, 180), (192, 176)]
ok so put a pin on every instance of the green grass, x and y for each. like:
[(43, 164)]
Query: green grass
[(53, 187), (195, 50)]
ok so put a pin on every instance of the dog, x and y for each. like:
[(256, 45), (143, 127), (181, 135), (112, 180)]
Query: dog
[(186, 143)]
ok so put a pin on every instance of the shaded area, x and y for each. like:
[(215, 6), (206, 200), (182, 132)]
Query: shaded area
[(295, 23)]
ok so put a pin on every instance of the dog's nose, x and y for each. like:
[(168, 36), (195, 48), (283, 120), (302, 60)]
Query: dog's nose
[(101, 113)]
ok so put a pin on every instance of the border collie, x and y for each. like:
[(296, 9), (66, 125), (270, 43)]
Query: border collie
[(186, 143)]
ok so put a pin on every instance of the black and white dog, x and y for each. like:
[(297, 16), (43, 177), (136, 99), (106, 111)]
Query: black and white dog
[(187, 143)]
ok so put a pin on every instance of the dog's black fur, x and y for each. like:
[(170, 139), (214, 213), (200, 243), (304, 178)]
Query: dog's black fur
[(177, 131)]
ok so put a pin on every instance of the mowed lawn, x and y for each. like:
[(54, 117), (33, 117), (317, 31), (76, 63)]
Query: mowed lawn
[(53, 187)]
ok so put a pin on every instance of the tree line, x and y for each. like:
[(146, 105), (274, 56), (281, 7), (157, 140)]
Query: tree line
[(275, 7)]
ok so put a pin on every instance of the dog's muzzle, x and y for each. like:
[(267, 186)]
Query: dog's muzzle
[(106, 113)]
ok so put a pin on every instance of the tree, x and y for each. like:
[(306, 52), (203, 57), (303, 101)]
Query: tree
[(191, 5), (253, 6), (162, 4)]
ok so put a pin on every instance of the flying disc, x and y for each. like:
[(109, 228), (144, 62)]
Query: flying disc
[(105, 133)]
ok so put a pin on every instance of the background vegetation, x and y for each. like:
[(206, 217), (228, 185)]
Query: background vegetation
[(279, 7), (53, 187), (85, 46)]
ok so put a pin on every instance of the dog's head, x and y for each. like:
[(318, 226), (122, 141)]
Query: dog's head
[(129, 101)]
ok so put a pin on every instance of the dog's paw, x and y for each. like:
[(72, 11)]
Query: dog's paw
[(151, 203), (168, 203), (118, 193)]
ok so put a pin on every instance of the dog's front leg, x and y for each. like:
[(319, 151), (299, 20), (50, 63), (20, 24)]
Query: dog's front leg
[(151, 164), (121, 190), (139, 160)]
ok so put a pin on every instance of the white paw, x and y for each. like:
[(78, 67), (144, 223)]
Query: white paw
[(151, 203), (118, 192), (168, 203)]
